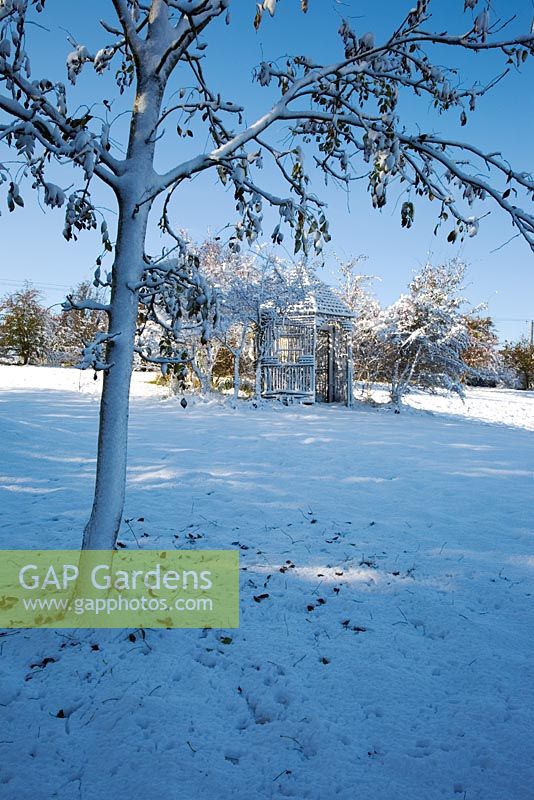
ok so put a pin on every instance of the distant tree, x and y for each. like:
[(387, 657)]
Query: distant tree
[(367, 353), (234, 337), (354, 291), (519, 357), (424, 333), (248, 283), (24, 326), (78, 323), (482, 354), (241, 295), (221, 266), (353, 286)]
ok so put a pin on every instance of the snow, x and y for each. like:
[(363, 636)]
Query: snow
[(14, 378), (392, 657), (498, 406)]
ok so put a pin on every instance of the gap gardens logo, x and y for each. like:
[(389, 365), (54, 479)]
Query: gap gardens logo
[(119, 589)]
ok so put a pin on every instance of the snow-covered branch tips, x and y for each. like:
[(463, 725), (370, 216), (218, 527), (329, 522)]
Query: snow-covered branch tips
[(342, 113), (175, 298)]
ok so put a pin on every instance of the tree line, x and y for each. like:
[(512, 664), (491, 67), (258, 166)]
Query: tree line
[(430, 337)]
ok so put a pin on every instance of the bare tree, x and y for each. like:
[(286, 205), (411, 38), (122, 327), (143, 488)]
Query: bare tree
[(342, 113)]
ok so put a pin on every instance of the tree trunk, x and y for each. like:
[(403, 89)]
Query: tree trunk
[(237, 380), (237, 360), (205, 384), (104, 523), (211, 355), (201, 375), (396, 397), (103, 526), (395, 390), (257, 391)]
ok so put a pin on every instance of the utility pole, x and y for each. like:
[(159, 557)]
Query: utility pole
[(531, 332)]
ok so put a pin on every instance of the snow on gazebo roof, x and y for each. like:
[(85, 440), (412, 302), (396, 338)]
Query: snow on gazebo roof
[(322, 300)]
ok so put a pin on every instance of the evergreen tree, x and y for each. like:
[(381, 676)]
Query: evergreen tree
[(24, 326)]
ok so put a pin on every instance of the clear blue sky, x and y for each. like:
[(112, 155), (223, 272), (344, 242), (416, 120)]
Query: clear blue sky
[(32, 244)]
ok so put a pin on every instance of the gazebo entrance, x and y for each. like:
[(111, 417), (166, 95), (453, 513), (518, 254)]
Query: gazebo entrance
[(324, 365), (332, 368)]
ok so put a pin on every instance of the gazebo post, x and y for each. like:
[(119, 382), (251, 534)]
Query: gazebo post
[(331, 357), (350, 370), (314, 367)]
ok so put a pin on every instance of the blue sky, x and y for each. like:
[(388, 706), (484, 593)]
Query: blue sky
[(34, 249)]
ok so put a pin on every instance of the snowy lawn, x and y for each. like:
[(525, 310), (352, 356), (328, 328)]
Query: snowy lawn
[(392, 658), (501, 406)]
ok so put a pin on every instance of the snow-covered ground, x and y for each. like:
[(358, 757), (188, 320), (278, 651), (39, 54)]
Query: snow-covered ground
[(392, 658), (72, 380), (505, 406)]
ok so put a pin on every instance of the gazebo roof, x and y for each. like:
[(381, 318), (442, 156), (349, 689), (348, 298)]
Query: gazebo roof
[(322, 301)]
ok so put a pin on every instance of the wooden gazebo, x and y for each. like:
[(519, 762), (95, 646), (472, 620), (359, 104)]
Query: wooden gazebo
[(306, 354)]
